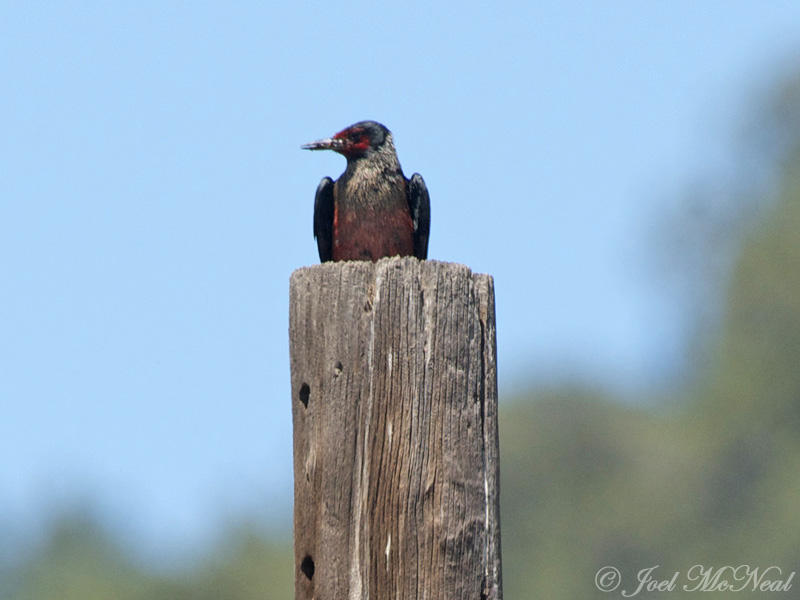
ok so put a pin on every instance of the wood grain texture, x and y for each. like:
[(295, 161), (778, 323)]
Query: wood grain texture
[(394, 406)]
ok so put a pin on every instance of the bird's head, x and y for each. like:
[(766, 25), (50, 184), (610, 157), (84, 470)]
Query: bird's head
[(357, 141)]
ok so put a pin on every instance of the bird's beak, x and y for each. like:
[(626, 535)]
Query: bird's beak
[(326, 144)]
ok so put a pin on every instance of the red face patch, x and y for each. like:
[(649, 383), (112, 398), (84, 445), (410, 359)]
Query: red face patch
[(356, 140), (342, 135)]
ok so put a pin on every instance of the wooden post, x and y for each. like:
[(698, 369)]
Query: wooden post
[(394, 405)]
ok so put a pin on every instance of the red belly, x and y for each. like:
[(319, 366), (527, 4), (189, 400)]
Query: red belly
[(372, 236)]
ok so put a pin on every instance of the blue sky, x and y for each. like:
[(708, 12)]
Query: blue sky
[(154, 201)]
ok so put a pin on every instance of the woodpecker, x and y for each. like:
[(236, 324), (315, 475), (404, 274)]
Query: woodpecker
[(372, 210)]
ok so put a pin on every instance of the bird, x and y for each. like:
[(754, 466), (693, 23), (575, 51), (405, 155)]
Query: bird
[(372, 211)]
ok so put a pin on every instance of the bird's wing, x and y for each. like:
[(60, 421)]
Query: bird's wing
[(323, 218), (419, 203)]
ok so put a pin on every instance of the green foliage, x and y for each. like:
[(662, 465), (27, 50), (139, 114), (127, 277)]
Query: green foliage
[(588, 482), (80, 562)]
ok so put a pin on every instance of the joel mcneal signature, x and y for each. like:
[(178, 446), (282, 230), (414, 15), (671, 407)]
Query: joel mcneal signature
[(699, 579)]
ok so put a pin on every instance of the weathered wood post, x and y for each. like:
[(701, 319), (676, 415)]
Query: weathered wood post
[(394, 405)]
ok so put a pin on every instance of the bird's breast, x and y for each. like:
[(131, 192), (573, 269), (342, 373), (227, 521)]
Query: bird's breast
[(369, 224)]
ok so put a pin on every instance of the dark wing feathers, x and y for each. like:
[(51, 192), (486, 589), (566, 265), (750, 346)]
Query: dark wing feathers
[(419, 203), (323, 218)]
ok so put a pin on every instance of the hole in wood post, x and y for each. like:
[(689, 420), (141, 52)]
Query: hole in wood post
[(337, 369), (307, 567), (304, 393)]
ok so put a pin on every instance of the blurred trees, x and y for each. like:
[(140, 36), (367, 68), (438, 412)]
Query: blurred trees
[(713, 480), (587, 481), (80, 562)]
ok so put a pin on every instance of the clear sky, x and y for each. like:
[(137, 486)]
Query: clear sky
[(154, 201)]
